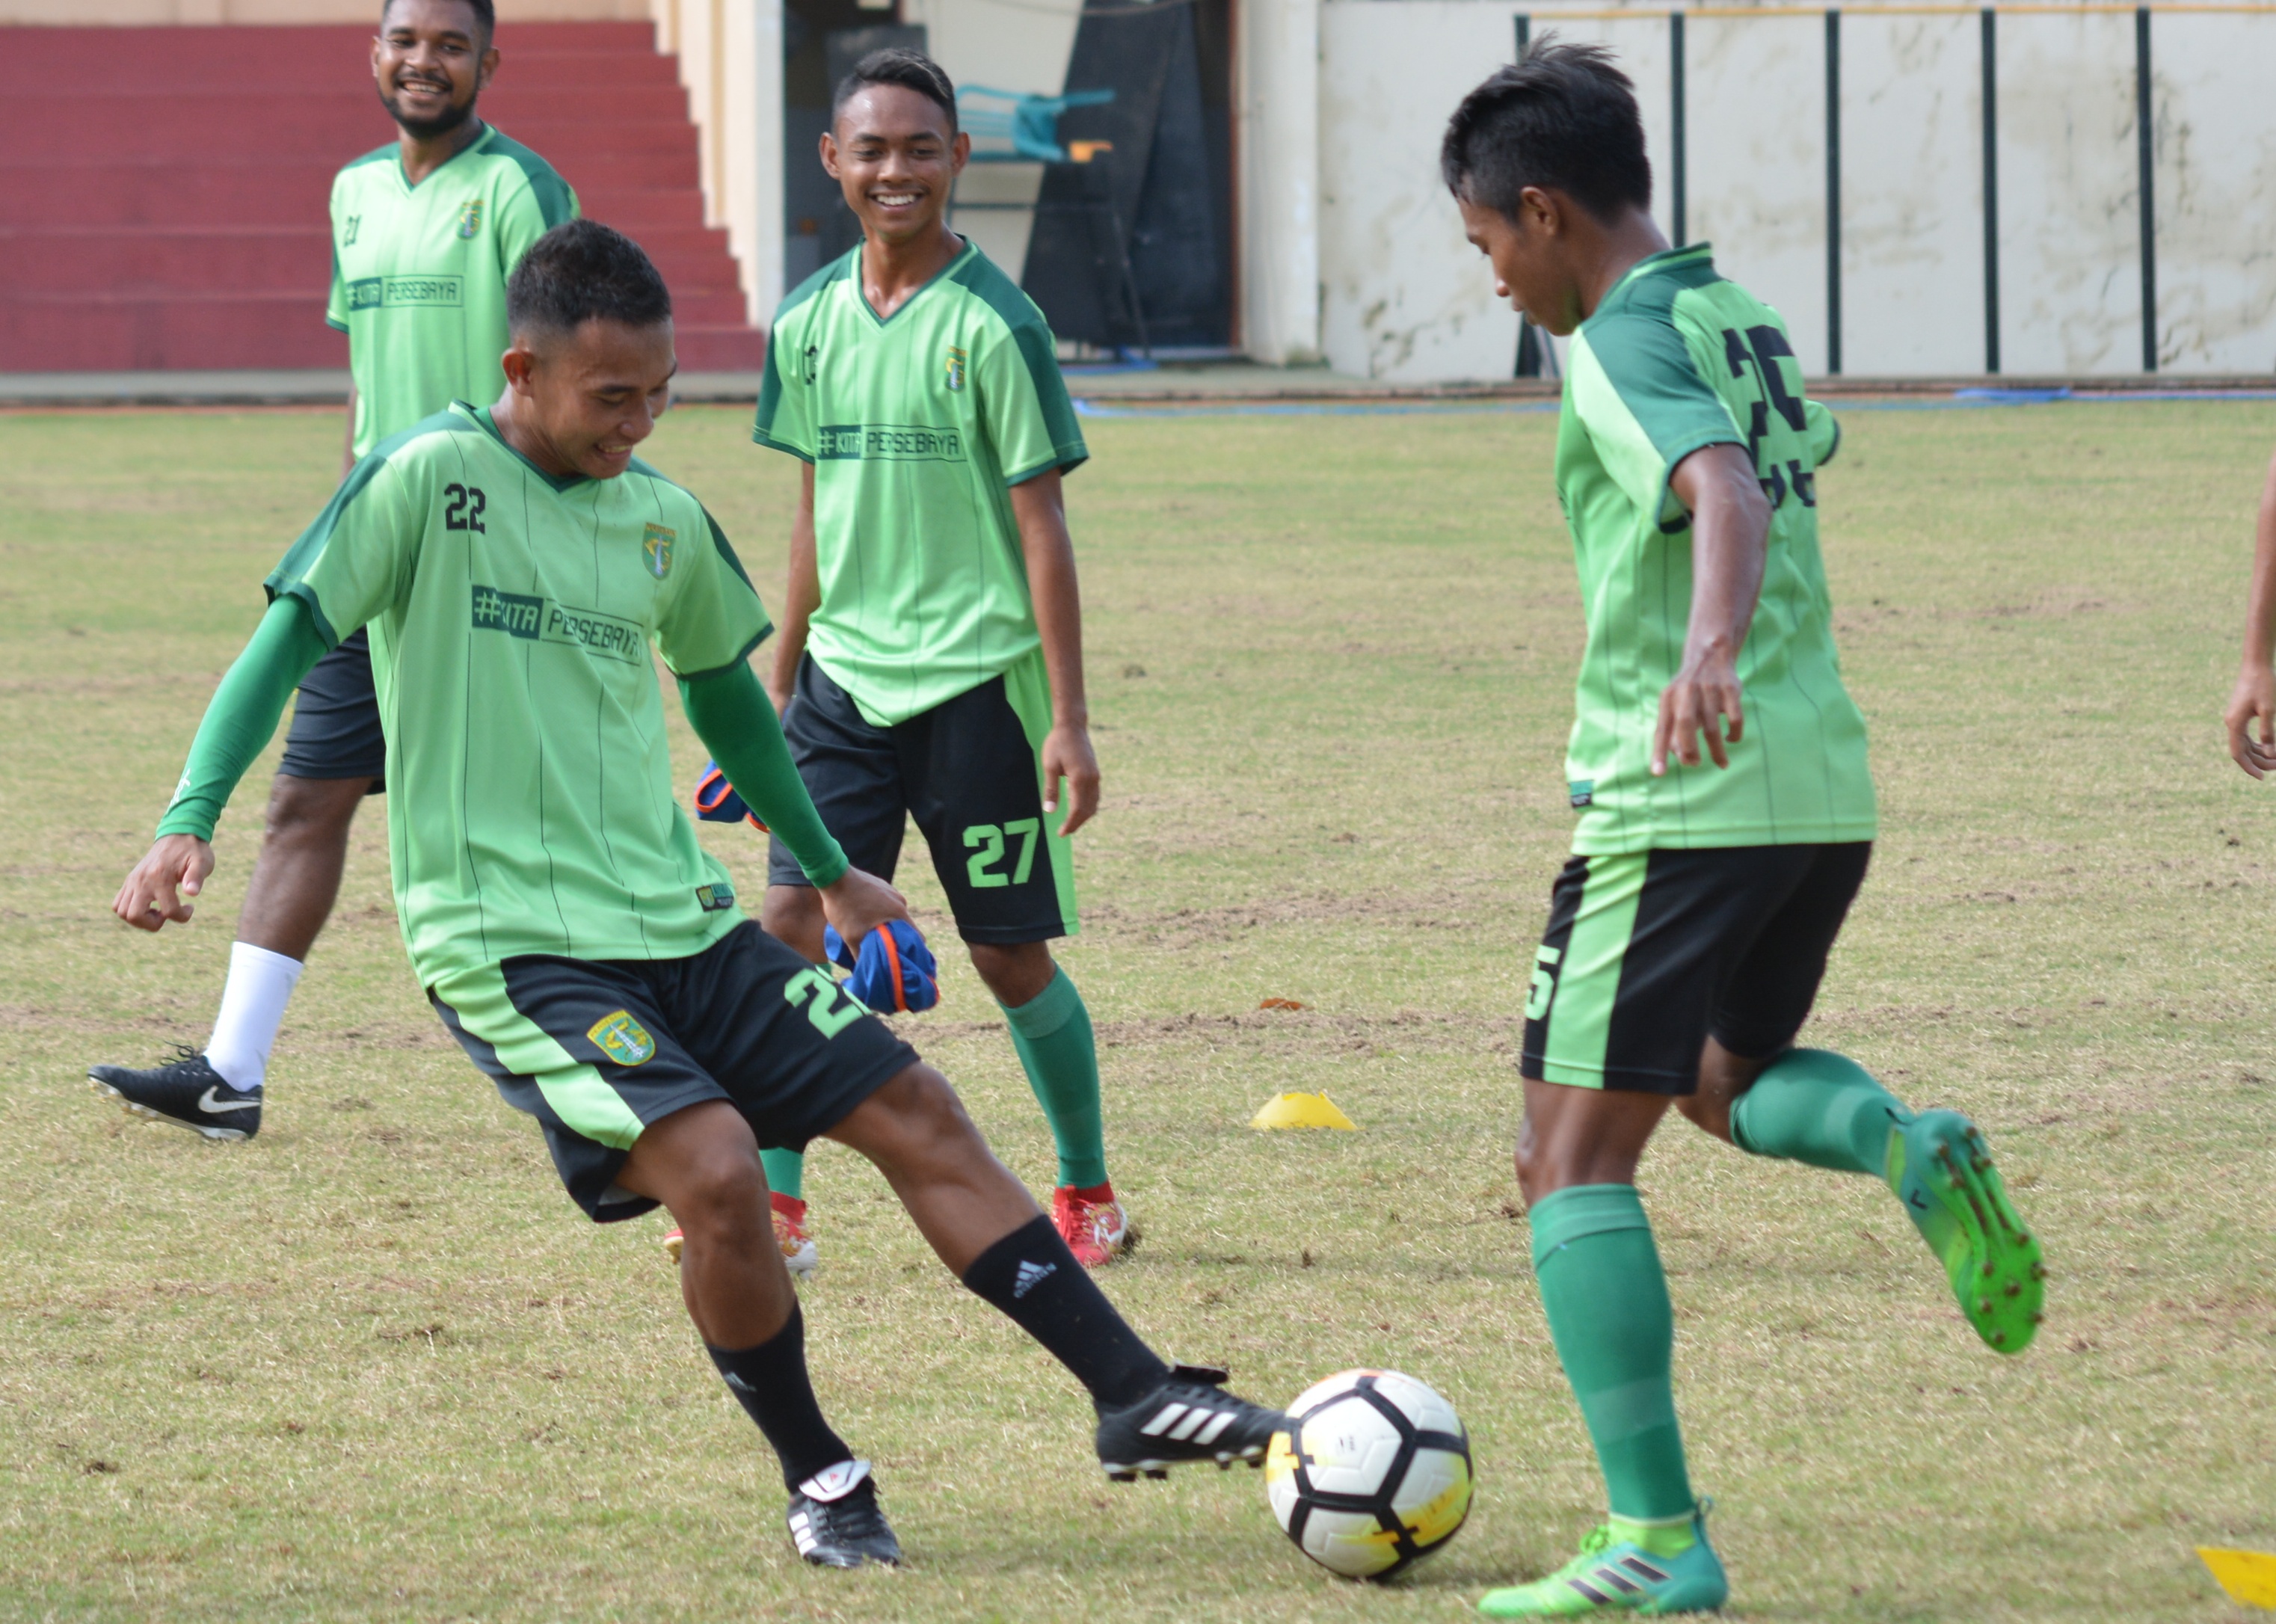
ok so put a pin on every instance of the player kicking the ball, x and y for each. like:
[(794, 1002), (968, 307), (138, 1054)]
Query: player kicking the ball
[(516, 566), (1688, 933), (931, 665), (424, 233)]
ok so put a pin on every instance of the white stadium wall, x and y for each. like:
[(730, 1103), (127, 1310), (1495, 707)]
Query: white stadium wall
[(1405, 298)]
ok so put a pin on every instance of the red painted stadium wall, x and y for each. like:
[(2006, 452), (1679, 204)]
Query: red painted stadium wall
[(163, 190)]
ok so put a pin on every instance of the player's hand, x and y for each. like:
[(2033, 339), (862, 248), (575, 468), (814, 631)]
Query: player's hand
[(857, 903), (157, 889), (2254, 700), (1067, 754), (1702, 699)]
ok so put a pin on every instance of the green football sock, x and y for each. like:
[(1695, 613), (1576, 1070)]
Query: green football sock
[(1051, 1032), (1607, 1304), (786, 1171), (1816, 1106)]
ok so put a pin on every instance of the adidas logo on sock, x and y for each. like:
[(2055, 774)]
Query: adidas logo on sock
[(1030, 1276), (736, 1381)]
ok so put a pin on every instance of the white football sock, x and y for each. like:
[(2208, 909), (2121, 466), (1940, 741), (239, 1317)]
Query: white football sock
[(252, 1008)]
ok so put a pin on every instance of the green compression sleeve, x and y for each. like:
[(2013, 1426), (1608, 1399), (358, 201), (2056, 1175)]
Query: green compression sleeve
[(732, 715), (242, 716)]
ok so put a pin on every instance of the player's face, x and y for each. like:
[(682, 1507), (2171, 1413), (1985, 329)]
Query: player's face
[(892, 154), (431, 63), (1528, 258), (590, 397)]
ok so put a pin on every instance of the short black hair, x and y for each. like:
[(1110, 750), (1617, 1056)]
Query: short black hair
[(584, 271), (1560, 118), (485, 17), (897, 64)]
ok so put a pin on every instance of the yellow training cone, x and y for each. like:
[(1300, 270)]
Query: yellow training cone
[(1302, 1110), (2248, 1576)]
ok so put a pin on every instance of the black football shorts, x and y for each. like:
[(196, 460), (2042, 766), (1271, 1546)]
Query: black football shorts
[(1650, 953), (596, 1050), (336, 732), (967, 772)]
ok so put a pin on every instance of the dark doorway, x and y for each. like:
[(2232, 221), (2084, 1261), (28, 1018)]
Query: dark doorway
[(1162, 194), (822, 41)]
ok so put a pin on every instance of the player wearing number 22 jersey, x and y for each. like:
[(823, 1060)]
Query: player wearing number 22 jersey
[(1688, 935)]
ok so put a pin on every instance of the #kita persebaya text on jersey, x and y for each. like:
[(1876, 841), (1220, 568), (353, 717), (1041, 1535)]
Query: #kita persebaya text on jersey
[(531, 806)]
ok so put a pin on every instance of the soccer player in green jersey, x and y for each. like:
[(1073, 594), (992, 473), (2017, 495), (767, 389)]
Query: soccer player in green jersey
[(521, 572), (931, 659), (1688, 935), (425, 230)]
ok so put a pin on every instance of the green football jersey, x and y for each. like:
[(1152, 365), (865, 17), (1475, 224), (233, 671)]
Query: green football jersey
[(530, 799), (917, 426), (1675, 359), (419, 274)]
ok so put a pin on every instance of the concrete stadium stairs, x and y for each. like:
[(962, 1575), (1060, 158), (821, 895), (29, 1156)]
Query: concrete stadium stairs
[(162, 191)]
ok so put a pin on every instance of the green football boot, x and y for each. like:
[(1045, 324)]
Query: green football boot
[(1941, 1169), (1618, 1571)]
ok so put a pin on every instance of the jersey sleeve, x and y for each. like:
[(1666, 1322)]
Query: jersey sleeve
[(712, 619), (359, 556), (1823, 430), (1646, 407), (527, 212), (335, 306), (786, 417), (1023, 402)]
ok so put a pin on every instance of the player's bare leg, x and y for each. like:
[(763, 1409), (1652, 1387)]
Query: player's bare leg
[(304, 851), (218, 1092), (1051, 1032)]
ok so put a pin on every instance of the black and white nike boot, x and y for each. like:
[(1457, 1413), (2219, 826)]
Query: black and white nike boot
[(186, 1092), (1188, 1417), (835, 1521)]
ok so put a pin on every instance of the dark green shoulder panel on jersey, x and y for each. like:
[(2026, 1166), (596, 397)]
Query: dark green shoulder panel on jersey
[(837, 270), (377, 154), (1650, 368), (293, 564), (719, 540), (980, 276), (555, 200)]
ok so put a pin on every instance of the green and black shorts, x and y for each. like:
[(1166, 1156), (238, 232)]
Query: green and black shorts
[(1648, 954), (596, 1050), (967, 772)]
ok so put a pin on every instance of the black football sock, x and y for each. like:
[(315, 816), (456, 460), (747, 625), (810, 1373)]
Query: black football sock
[(1032, 1277), (771, 1384)]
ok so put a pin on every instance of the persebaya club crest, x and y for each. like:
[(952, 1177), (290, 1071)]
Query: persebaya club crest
[(470, 218), (955, 369), (622, 1038), (656, 546)]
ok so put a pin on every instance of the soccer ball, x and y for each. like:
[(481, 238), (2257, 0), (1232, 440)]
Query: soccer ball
[(1377, 1474)]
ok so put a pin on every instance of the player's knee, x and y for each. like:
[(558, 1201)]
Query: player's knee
[(721, 1189), (928, 1121), (313, 809), (1015, 972), (792, 915)]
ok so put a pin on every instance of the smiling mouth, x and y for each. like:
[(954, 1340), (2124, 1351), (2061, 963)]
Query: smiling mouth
[(895, 199), (405, 84)]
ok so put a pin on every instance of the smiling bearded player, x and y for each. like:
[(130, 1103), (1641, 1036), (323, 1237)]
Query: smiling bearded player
[(519, 572), (425, 231), (1688, 933)]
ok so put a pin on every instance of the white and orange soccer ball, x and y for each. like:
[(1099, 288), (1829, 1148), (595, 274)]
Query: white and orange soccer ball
[(1376, 1475)]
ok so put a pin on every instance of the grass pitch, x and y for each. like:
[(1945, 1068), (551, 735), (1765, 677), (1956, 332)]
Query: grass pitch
[(374, 1364)]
